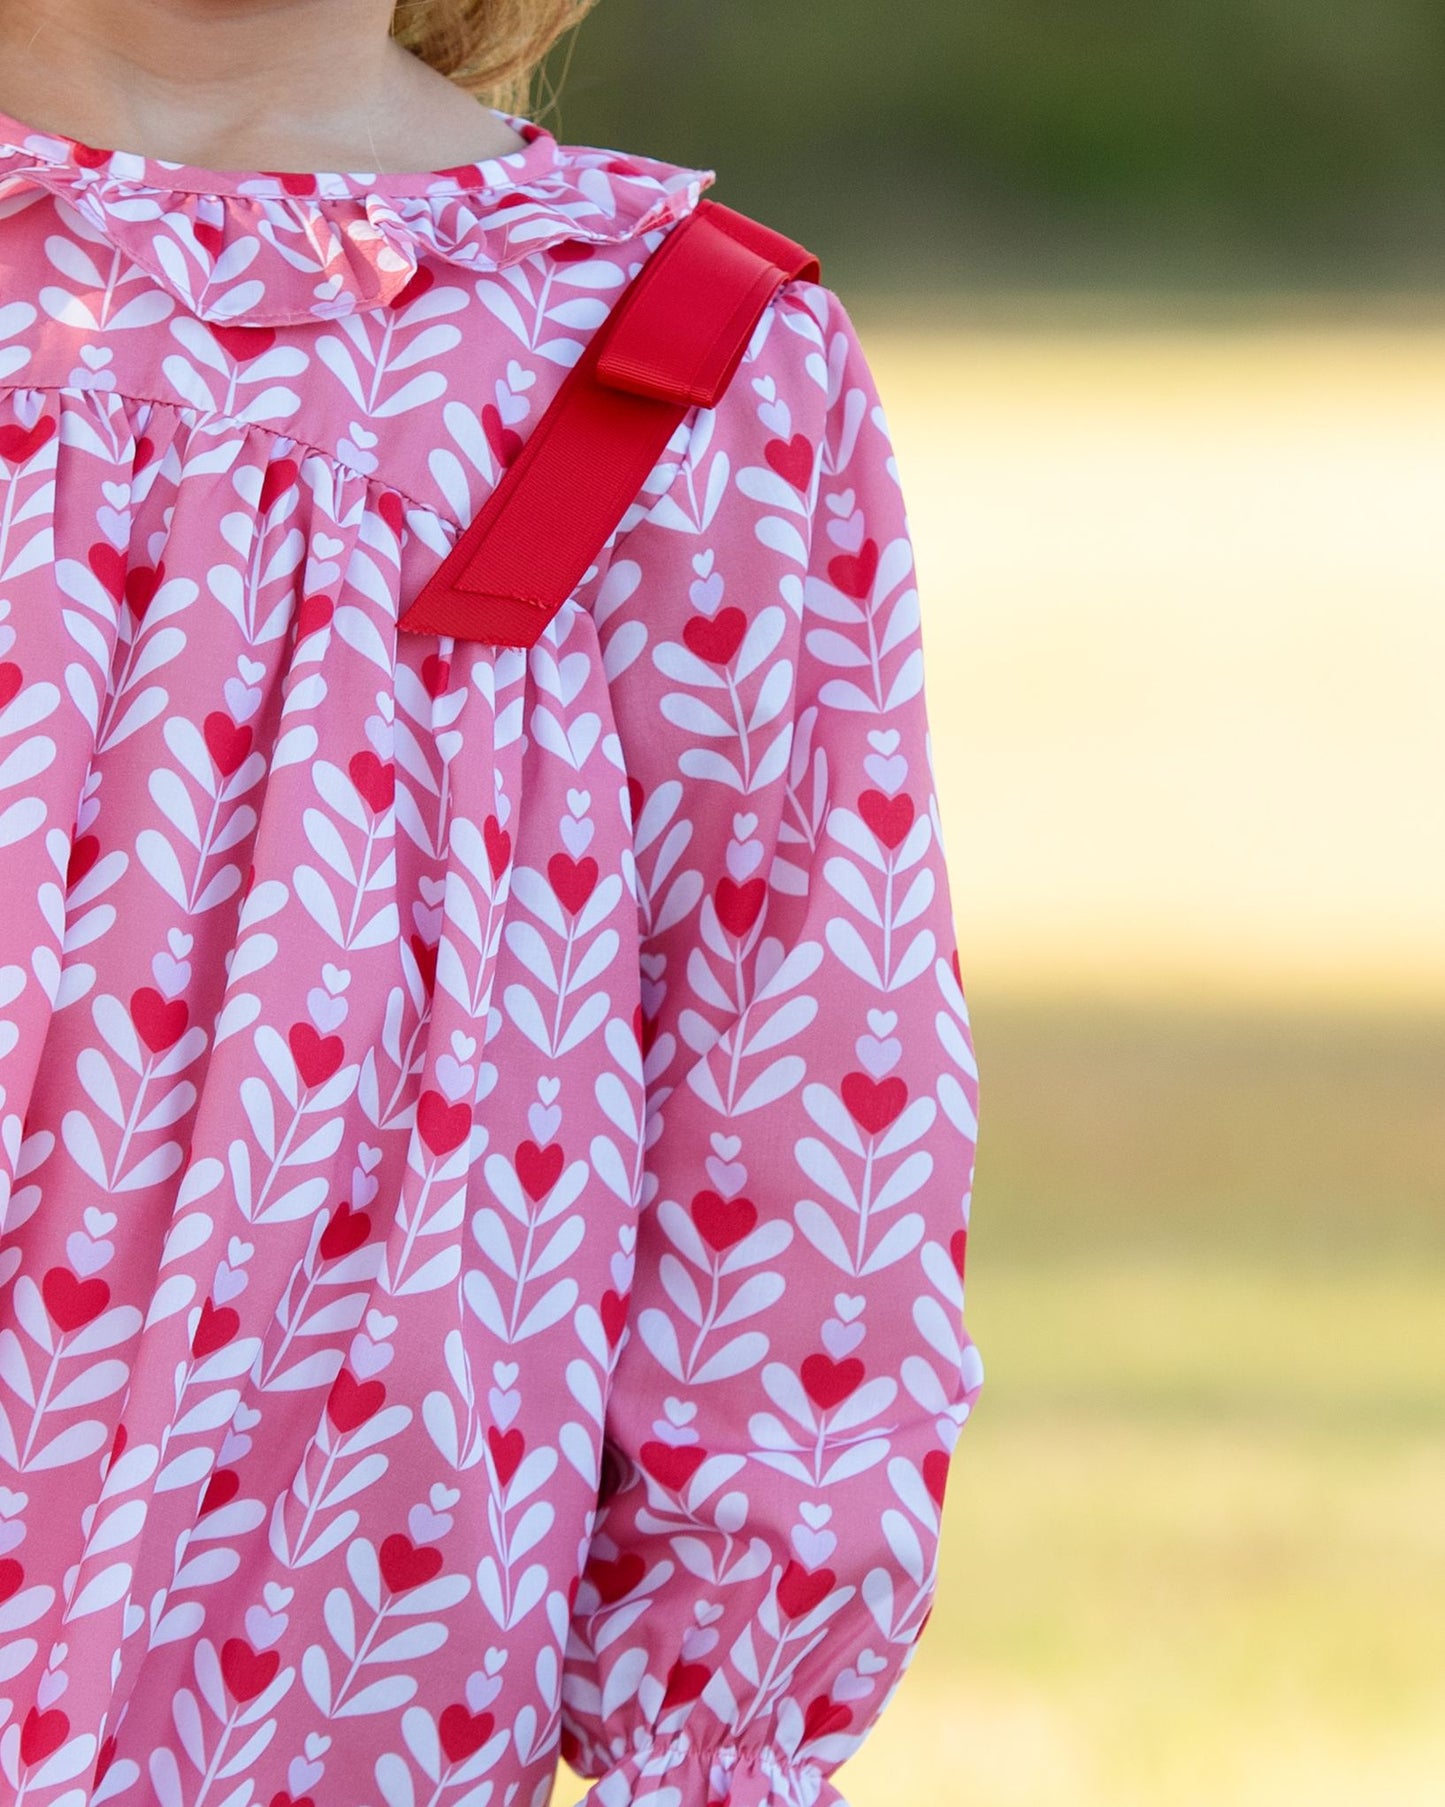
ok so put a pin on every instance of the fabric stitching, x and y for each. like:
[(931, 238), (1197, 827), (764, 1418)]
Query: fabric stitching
[(231, 420)]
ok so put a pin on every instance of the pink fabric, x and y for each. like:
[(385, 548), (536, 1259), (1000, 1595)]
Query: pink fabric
[(486, 1135)]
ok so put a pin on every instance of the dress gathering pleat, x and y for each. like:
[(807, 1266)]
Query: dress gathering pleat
[(486, 1133)]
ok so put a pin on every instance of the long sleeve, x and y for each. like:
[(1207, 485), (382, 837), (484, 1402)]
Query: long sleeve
[(795, 1368)]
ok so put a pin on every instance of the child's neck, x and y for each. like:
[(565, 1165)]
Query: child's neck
[(301, 85)]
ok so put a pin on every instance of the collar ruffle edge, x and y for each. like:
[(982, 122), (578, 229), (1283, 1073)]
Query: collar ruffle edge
[(276, 248)]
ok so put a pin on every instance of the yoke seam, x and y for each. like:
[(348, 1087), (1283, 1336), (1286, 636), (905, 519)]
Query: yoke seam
[(215, 415)]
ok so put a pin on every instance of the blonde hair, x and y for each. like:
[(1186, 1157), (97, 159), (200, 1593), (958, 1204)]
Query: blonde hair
[(492, 48)]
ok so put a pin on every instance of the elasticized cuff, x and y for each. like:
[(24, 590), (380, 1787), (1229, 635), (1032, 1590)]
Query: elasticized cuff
[(673, 1772)]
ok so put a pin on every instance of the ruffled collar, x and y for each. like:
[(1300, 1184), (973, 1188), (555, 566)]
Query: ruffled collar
[(264, 248)]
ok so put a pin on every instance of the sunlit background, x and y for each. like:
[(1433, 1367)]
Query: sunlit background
[(1155, 299)]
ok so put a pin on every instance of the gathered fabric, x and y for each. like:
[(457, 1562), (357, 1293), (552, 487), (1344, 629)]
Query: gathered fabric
[(486, 1133), (271, 249), (673, 1772)]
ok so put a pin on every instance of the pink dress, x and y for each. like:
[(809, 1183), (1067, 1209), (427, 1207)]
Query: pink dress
[(486, 1134)]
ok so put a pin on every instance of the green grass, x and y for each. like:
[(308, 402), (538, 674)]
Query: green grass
[(1204, 1343), (1313, 1141), (1195, 1543)]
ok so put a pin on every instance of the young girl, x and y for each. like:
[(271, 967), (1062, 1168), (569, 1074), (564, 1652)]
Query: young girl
[(486, 1131)]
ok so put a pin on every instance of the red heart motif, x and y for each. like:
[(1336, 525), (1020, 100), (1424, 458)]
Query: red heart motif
[(505, 441), (20, 444), (791, 458), (935, 1474), (614, 1579), (405, 1565), (800, 1589), (318, 1057), (282, 1799), (160, 1022), (738, 905), (873, 1103), (716, 638), (11, 678), (391, 506), (890, 818), (425, 955), (104, 1758), (499, 846), (71, 1302), (278, 479), (345, 1232), (215, 1328), (853, 572), (828, 1383), (415, 286), (672, 1464), (436, 674), (209, 237), (636, 796), (12, 1577), (613, 1312), (83, 855), (314, 613), (443, 1126), (141, 584), (375, 782), (294, 181), (539, 1169), (463, 1733), (723, 1222), (351, 1401), (685, 1682), (221, 1489), (823, 1716), (508, 1448), (570, 251), (244, 342), (117, 1446), (41, 1734), (573, 880), (228, 742), (958, 1249), (247, 1672), (109, 566)]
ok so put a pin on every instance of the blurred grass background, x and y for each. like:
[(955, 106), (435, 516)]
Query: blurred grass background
[(1229, 145), (1155, 299)]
